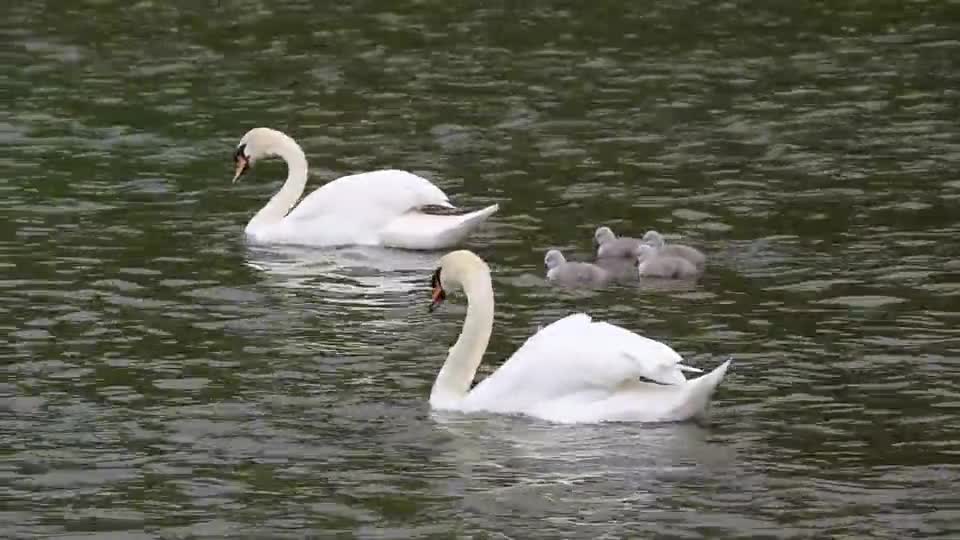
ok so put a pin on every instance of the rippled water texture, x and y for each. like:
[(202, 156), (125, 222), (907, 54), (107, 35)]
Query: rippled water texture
[(162, 379)]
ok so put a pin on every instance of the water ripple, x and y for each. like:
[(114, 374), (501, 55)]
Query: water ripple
[(161, 375)]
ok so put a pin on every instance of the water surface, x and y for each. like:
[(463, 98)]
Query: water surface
[(162, 379)]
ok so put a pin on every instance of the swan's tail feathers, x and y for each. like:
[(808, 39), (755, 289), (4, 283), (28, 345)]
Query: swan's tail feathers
[(420, 230), (702, 388)]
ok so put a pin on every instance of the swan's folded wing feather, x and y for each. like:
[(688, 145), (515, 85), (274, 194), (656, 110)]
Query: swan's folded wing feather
[(575, 354), (418, 230), (379, 196), (643, 357)]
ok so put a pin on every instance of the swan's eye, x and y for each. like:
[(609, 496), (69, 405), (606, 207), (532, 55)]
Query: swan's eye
[(240, 152)]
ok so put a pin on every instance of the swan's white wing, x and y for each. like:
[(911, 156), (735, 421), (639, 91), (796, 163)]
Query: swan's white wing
[(635, 401), (383, 195), (573, 356), (419, 230), (378, 208)]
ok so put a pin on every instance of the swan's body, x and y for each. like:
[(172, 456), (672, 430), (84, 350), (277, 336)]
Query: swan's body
[(573, 370), (386, 208), (572, 274), (653, 263), (695, 256), (610, 245)]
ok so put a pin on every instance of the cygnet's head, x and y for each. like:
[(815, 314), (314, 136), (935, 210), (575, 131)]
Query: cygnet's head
[(553, 259), (257, 143), (654, 239), (456, 268), (645, 251), (602, 235)]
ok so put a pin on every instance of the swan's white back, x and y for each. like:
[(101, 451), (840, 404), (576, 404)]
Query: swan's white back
[(381, 195), (417, 230), (353, 209), (635, 401), (577, 370)]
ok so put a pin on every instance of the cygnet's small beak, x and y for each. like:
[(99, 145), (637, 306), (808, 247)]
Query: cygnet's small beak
[(437, 298), (242, 164)]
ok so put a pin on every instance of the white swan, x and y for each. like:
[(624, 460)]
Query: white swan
[(574, 370), (387, 208)]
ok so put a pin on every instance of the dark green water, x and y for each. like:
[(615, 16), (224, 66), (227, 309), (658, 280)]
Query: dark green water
[(162, 379)]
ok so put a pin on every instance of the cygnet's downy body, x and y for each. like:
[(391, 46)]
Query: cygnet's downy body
[(652, 264), (620, 269), (611, 245), (562, 272), (656, 241)]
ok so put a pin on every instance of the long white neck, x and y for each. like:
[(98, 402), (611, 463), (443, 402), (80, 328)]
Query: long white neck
[(456, 375), (281, 203)]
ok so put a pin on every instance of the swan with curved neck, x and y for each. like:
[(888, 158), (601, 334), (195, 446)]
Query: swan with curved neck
[(573, 370), (386, 207)]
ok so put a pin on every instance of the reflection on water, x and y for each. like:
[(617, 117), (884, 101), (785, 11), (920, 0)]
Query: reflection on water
[(348, 272), (547, 472), (366, 297), (570, 447), (161, 378)]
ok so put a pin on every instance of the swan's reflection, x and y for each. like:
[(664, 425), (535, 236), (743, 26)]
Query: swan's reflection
[(541, 452), (342, 271), (356, 299), (506, 465)]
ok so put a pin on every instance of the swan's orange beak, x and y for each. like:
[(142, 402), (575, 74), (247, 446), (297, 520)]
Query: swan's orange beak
[(242, 165), (439, 295)]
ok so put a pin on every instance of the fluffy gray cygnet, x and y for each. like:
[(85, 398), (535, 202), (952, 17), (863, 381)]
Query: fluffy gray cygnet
[(562, 272), (620, 269), (652, 264), (695, 256), (611, 245)]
